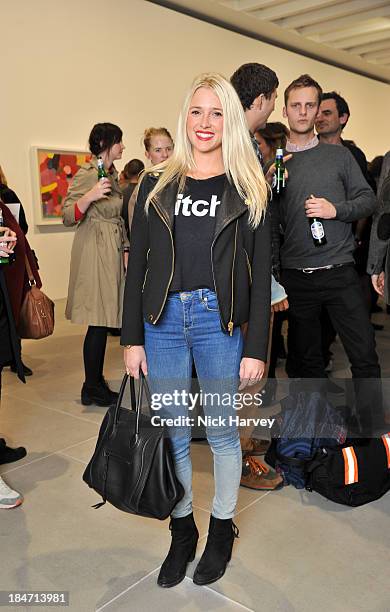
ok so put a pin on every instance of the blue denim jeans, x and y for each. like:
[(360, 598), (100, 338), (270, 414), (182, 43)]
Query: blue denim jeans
[(188, 331)]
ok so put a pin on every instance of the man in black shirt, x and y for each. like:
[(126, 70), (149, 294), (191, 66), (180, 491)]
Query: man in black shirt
[(332, 118)]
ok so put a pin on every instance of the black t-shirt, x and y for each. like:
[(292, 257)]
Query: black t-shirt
[(195, 214)]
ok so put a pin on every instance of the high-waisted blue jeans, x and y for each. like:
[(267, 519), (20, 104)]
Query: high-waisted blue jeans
[(190, 330)]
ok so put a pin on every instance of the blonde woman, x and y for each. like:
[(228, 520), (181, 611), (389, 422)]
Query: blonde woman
[(158, 145), (199, 268)]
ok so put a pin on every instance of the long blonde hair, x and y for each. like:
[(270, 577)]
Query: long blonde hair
[(239, 158), (3, 178)]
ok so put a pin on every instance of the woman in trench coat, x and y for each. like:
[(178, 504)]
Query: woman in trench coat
[(97, 270)]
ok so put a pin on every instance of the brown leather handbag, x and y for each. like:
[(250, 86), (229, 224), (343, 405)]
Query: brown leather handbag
[(36, 319)]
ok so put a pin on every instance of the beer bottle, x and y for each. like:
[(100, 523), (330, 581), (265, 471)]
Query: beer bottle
[(279, 171), (101, 169), (317, 231), (102, 173), (3, 258)]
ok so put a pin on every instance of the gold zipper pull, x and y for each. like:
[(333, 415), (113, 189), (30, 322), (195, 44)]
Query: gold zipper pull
[(230, 327)]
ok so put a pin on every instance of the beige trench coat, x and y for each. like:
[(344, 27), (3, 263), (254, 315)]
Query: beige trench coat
[(97, 274)]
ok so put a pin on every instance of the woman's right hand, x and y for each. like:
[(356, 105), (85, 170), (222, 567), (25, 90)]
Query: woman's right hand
[(135, 359), (101, 190)]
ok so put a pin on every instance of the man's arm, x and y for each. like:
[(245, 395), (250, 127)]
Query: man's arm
[(360, 201)]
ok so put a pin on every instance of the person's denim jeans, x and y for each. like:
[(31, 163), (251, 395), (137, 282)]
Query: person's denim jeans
[(190, 329)]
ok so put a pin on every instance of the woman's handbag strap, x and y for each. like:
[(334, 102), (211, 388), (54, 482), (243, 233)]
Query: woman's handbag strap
[(136, 401), (30, 275)]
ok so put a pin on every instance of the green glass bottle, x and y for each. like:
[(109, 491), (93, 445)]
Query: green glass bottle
[(102, 173), (3, 259), (280, 169)]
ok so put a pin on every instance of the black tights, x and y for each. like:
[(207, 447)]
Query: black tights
[(94, 351)]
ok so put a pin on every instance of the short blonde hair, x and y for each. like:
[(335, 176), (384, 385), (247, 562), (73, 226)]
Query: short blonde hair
[(239, 158), (150, 132)]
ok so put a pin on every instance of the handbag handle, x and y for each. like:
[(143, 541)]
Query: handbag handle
[(31, 279), (136, 402)]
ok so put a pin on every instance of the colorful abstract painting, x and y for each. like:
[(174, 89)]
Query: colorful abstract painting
[(56, 169)]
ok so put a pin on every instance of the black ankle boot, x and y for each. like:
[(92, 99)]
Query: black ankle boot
[(183, 548), (218, 551), (99, 394)]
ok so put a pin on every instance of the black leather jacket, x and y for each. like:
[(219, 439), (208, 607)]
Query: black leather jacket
[(241, 265)]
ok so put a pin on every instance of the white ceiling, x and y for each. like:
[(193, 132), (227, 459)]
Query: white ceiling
[(359, 27)]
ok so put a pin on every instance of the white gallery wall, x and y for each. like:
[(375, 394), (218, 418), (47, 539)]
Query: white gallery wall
[(69, 65)]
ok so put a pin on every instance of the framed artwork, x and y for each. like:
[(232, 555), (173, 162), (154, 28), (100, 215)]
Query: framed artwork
[(53, 170)]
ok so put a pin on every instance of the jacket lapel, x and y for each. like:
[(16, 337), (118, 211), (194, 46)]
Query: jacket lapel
[(167, 201), (231, 207)]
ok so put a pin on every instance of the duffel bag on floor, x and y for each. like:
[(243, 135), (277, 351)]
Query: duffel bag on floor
[(307, 423), (352, 475)]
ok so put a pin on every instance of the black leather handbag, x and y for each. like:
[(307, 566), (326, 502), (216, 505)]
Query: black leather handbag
[(132, 466)]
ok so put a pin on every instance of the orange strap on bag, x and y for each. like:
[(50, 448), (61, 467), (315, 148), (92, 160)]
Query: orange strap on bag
[(36, 319), (386, 442), (350, 465)]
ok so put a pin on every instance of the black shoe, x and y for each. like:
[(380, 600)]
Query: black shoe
[(26, 370), (218, 551), (9, 455), (99, 394), (183, 548)]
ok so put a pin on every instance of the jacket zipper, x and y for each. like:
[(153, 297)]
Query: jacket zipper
[(212, 267), (173, 262), (230, 324), (249, 266)]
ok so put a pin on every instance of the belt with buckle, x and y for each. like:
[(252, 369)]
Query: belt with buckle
[(311, 270)]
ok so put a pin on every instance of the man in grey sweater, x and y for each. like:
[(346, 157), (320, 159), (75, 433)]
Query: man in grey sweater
[(325, 183)]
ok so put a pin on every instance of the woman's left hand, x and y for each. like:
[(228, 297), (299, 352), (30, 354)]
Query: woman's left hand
[(8, 238), (251, 371)]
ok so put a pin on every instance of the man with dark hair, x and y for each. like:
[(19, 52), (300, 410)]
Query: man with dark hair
[(325, 183), (131, 173), (256, 86), (332, 118)]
